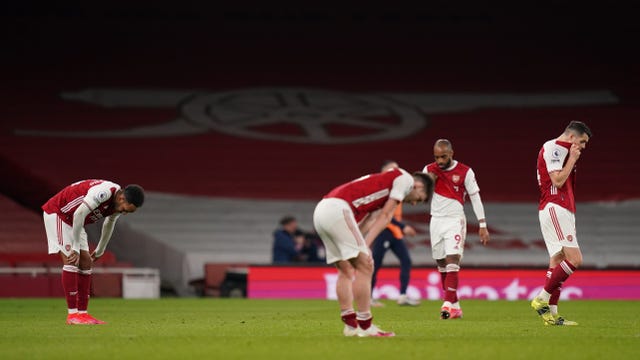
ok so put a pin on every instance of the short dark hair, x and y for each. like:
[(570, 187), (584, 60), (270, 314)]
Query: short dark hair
[(427, 181), (386, 163), (579, 127), (287, 220), (444, 143), (134, 195)]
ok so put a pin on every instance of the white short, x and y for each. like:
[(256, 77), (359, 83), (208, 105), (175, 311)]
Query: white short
[(338, 229), (558, 227), (59, 235), (447, 236)]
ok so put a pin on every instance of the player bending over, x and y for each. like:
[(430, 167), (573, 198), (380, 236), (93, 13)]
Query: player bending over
[(65, 215), (346, 223)]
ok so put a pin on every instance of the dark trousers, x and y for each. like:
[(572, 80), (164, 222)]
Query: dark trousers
[(386, 241)]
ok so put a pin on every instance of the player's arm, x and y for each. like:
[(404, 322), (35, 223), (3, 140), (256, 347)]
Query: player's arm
[(476, 203), (478, 209), (381, 220), (105, 236), (365, 224), (78, 224), (559, 177)]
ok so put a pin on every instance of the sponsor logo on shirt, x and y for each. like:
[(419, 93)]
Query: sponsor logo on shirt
[(97, 213)]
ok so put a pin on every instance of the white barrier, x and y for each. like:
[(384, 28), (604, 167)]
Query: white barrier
[(137, 283)]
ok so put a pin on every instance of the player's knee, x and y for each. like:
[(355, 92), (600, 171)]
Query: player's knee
[(364, 265), (574, 257), (576, 261)]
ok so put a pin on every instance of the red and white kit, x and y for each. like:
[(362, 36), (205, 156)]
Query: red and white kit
[(557, 205), (59, 213), (448, 226), (337, 215)]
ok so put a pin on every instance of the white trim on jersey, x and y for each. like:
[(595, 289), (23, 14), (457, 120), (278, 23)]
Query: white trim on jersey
[(71, 204), (370, 198)]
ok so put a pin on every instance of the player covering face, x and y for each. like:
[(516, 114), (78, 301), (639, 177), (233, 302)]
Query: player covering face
[(556, 212)]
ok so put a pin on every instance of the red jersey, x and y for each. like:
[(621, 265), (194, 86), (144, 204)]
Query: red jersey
[(451, 182), (96, 194), (552, 157), (371, 192), (452, 186)]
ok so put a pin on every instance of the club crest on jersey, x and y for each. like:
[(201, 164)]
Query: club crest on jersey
[(67, 247), (570, 238), (455, 178)]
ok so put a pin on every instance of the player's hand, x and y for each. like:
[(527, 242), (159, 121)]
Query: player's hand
[(74, 258), (94, 257), (484, 236), (409, 231), (575, 151)]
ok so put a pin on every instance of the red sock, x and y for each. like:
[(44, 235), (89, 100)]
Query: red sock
[(70, 285), (350, 319), (443, 279), (365, 324), (84, 288), (451, 287), (558, 276), (555, 296)]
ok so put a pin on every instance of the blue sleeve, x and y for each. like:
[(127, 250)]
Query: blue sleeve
[(397, 223)]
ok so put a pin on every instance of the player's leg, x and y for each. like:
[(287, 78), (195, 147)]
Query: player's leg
[(437, 249), (451, 307), (344, 292), (572, 258), (400, 250), (363, 265), (84, 281), (70, 283), (84, 286), (442, 269), (454, 238), (378, 250), (344, 243), (344, 283), (59, 242), (555, 296), (558, 229)]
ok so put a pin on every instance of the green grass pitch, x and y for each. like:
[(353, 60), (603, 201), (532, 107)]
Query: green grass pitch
[(311, 329)]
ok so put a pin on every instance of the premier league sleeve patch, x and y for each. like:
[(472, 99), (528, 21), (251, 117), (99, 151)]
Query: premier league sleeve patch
[(103, 196), (555, 155)]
